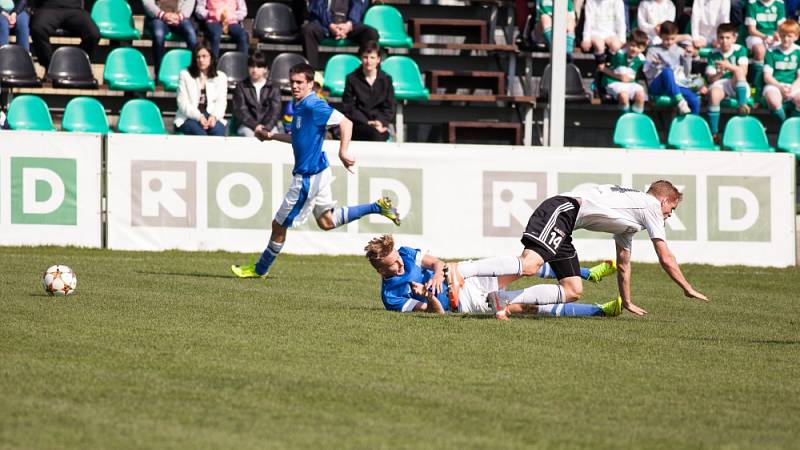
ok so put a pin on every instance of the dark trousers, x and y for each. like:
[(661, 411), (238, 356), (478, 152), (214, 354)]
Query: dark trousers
[(235, 30), (159, 28), (366, 132), (193, 128), (75, 21), (313, 34)]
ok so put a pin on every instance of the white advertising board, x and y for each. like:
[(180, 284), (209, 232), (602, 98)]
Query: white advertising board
[(50, 188), (204, 193)]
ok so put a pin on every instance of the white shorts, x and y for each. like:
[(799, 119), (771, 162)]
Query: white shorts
[(599, 35), (752, 41), (617, 88), (772, 87), (306, 192), (472, 298), (728, 86)]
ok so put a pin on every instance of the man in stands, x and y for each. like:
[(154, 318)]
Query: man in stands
[(337, 19), (50, 15)]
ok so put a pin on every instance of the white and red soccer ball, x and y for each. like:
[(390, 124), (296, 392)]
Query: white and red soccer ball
[(59, 280)]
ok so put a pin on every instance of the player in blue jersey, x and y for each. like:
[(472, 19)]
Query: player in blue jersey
[(413, 280), (310, 190)]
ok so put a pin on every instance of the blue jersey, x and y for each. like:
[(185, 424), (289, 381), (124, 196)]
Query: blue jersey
[(309, 122), (396, 291)]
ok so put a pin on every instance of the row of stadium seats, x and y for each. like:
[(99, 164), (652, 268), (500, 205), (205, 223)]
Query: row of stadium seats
[(691, 132)]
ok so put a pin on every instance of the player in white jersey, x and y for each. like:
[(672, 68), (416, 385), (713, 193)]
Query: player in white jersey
[(606, 208)]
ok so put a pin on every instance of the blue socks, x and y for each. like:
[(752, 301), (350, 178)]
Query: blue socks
[(268, 257), (347, 214), (547, 272), (570, 310)]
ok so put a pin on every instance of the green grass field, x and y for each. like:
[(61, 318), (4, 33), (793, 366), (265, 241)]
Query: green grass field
[(167, 350)]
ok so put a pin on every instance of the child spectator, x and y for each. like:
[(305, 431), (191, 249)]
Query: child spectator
[(667, 70), (202, 95), (727, 75), (620, 75), (164, 16), (603, 27), (256, 103), (762, 21), (224, 16), (651, 14), (368, 98), (544, 23), (13, 14), (707, 15), (781, 70)]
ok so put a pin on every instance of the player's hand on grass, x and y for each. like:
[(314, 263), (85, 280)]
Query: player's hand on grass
[(634, 309), (348, 161), (691, 293)]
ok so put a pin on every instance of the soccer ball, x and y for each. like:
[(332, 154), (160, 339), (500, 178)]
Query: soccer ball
[(59, 280)]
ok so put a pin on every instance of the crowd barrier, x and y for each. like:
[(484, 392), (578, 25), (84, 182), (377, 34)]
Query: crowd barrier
[(204, 193)]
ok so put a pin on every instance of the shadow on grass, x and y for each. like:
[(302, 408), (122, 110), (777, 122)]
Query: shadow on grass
[(185, 274)]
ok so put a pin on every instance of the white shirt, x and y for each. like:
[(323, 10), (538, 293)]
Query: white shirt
[(604, 18), (258, 85), (619, 211), (707, 15), (652, 13)]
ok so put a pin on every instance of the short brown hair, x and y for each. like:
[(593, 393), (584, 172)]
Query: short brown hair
[(378, 248), (727, 28), (667, 28), (369, 47), (663, 188), (789, 26), (638, 38), (304, 69)]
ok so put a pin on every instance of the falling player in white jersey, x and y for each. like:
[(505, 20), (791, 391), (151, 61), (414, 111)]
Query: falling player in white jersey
[(548, 238)]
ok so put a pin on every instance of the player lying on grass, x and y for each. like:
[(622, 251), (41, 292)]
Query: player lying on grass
[(548, 239), (310, 189), (412, 280)]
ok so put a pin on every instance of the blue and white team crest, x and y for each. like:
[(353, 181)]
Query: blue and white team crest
[(298, 122)]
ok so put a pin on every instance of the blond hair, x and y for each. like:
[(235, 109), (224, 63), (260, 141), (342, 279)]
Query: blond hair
[(789, 26), (378, 248), (663, 188)]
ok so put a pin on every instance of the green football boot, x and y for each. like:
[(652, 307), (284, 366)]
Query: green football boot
[(612, 308), (602, 270), (388, 211), (246, 271)]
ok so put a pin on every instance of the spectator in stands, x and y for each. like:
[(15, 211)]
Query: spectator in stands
[(650, 15), (707, 15), (49, 15), (667, 69), (163, 16), (726, 74), (603, 27), (620, 74), (224, 17), (338, 19), (13, 14), (368, 98), (781, 67), (256, 103), (544, 23), (202, 95), (762, 21)]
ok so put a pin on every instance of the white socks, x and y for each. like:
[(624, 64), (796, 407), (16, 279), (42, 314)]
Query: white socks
[(540, 294), (491, 267)]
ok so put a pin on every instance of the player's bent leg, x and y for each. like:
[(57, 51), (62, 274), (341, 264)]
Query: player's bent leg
[(268, 256), (336, 217), (573, 288)]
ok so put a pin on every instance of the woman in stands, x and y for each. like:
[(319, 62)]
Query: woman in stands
[(202, 95), (13, 14)]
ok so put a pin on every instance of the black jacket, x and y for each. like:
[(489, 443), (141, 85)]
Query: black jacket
[(250, 112), (362, 102)]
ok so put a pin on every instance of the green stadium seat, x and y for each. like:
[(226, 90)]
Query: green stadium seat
[(662, 101), (141, 116), (635, 130), (389, 23), (406, 78), (331, 42), (114, 19), (745, 134), (173, 62), (729, 102), (85, 114), (690, 132), (126, 70), (336, 71), (29, 112), (789, 137)]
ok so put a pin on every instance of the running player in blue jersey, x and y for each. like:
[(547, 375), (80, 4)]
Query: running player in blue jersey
[(412, 280), (310, 189)]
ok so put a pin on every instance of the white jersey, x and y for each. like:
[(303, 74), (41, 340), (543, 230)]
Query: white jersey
[(619, 211)]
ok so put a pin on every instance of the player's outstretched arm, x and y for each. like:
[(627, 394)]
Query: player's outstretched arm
[(435, 264), (433, 305), (624, 280), (345, 134), (264, 135), (670, 265)]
